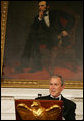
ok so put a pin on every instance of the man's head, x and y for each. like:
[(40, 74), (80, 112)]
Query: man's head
[(43, 6), (56, 85)]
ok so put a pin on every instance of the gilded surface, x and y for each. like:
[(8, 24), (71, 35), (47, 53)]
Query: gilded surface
[(4, 8), (37, 112)]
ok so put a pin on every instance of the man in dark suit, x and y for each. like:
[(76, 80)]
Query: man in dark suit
[(47, 31), (55, 88)]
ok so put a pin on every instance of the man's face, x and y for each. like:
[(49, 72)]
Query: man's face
[(42, 6), (55, 87)]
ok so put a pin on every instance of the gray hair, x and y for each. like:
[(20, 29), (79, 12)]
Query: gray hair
[(58, 76)]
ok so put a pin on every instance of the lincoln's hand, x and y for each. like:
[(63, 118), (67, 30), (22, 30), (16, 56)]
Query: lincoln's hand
[(41, 14), (64, 33)]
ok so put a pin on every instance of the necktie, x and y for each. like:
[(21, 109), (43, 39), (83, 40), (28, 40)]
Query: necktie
[(53, 98), (45, 14), (56, 98)]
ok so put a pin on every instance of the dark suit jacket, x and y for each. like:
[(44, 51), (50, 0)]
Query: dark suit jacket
[(59, 21), (41, 34), (68, 107)]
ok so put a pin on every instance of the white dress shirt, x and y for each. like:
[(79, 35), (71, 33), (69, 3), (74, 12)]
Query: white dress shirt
[(46, 19)]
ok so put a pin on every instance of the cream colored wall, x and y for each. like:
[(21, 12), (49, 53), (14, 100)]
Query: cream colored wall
[(8, 96)]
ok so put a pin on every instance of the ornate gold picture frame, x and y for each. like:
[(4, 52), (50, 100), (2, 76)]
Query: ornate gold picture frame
[(31, 82)]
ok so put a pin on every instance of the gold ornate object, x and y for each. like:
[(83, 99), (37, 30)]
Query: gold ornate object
[(4, 9), (37, 112)]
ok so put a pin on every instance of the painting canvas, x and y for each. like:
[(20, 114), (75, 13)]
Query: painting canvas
[(65, 59)]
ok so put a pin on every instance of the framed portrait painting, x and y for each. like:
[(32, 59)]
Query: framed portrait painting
[(34, 48)]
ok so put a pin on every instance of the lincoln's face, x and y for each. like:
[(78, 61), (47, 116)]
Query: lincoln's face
[(42, 6)]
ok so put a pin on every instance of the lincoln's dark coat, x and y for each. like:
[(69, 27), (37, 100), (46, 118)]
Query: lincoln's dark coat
[(40, 34)]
